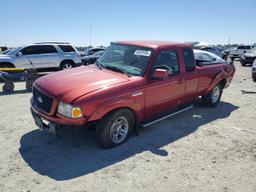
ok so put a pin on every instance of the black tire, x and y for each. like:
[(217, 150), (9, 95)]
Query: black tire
[(8, 87), (66, 65), (208, 100), (242, 63), (254, 77), (29, 85), (105, 125)]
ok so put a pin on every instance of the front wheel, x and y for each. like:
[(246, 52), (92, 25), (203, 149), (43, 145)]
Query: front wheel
[(115, 128), (213, 98), (66, 65)]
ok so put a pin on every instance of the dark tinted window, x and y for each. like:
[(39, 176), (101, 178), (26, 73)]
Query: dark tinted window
[(38, 49), (189, 59), (47, 49), (168, 60), (30, 50), (66, 48), (244, 47)]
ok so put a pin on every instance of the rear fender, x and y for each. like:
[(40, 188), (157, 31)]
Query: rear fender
[(221, 77), (118, 103)]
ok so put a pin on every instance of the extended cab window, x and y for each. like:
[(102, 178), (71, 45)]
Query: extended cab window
[(189, 59), (168, 60)]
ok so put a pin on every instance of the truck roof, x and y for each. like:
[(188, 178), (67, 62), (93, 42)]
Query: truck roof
[(153, 44)]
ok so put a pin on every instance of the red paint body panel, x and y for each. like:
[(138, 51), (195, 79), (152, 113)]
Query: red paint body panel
[(99, 91)]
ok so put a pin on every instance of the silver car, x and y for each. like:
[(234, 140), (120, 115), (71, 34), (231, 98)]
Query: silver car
[(41, 56)]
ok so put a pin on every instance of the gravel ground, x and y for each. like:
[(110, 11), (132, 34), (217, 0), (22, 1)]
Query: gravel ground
[(199, 150)]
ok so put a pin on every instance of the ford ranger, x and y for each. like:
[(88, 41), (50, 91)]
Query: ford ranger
[(133, 84)]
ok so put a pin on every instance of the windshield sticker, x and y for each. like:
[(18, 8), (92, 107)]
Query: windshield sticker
[(142, 53)]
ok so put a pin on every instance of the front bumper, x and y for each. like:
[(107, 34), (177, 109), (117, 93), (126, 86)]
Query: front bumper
[(56, 118)]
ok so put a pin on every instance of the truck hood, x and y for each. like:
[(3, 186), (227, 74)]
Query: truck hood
[(67, 85)]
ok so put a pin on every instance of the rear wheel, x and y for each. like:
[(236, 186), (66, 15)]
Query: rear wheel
[(242, 63), (254, 77), (213, 98), (115, 128), (66, 65), (8, 87)]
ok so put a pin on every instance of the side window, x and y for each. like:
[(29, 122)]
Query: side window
[(44, 49), (67, 48), (168, 60), (189, 59), (30, 50)]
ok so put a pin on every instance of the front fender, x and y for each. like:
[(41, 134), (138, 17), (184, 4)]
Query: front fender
[(117, 103), (5, 60), (221, 76)]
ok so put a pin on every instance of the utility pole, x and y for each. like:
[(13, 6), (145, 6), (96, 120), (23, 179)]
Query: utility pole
[(90, 35)]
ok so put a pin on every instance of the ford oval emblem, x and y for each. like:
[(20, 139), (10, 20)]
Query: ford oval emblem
[(39, 99)]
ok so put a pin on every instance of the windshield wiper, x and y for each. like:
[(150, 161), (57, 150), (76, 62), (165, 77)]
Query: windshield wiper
[(117, 69), (99, 65)]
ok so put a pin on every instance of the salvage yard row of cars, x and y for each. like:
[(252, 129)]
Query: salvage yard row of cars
[(118, 93)]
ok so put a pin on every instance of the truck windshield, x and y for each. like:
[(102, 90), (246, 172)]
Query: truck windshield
[(127, 58)]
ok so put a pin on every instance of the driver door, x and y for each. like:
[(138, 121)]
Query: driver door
[(29, 57), (162, 95)]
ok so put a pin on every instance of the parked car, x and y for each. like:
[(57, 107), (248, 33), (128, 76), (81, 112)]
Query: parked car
[(249, 57), (133, 83), (41, 56), (254, 71), (90, 59), (239, 51), (213, 49), (6, 51), (91, 51), (207, 58), (3, 48)]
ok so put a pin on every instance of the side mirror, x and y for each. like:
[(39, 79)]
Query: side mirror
[(160, 74), (19, 54)]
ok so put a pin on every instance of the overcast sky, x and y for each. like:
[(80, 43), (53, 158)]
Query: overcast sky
[(215, 21)]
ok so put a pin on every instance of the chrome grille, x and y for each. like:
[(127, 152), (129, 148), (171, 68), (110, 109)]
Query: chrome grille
[(42, 101)]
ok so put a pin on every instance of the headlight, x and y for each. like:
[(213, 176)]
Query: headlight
[(68, 110)]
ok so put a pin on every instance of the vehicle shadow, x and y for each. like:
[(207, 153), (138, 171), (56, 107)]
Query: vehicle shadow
[(16, 92), (59, 160)]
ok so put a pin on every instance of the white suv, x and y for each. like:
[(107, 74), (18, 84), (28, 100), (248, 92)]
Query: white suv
[(42, 56), (239, 51)]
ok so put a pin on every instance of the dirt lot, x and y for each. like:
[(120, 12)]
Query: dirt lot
[(199, 150)]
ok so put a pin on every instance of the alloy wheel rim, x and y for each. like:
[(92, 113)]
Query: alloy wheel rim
[(215, 94), (119, 130), (67, 66)]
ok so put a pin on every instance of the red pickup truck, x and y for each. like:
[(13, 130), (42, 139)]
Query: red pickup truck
[(134, 83)]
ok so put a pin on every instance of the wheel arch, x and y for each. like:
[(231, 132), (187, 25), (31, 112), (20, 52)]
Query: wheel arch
[(7, 63), (67, 60), (112, 106), (220, 78)]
